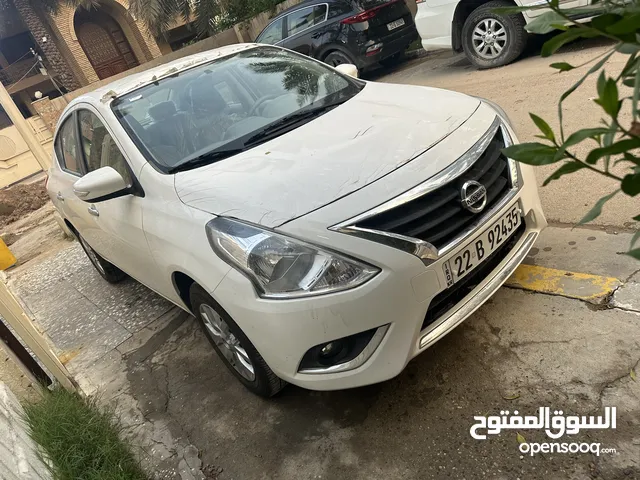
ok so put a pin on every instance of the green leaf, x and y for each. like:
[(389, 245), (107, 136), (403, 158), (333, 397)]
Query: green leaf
[(553, 44), (579, 136), (632, 374), (511, 396), (628, 24), (609, 99), (635, 238), (565, 169), (635, 253), (532, 153), (543, 126), (597, 66), (562, 66), (602, 80), (615, 149), (583, 134), (604, 21), (628, 48), (546, 22), (637, 218), (512, 10), (631, 184), (520, 438), (596, 210)]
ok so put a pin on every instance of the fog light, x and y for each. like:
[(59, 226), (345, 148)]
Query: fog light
[(331, 349), (342, 354)]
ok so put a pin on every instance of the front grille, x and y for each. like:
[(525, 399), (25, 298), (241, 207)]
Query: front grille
[(447, 299), (438, 217)]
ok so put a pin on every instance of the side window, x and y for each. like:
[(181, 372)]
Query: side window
[(300, 20), (66, 147), (339, 8), (272, 34), (99, 148)]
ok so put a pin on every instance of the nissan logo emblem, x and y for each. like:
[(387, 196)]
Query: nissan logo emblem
[(474, 196)]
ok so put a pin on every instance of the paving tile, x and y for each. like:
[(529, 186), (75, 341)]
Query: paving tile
[(71, 321), (50, 271), (131, 304)]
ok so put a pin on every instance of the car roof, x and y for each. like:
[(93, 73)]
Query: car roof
[(131, 82)]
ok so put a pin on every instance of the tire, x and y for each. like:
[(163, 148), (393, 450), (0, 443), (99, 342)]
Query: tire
[(393, 60), (338, 57), (501, 49), (236, 349), (106, 269)]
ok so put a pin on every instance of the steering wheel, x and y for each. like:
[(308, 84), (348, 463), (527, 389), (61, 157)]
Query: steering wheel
[(260, 101)]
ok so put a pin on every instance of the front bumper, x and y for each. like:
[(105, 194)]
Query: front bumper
[(282, 331)]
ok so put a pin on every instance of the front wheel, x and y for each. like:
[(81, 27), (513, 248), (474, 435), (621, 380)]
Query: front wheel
[(491, 39), (106, 269), (232, 346)]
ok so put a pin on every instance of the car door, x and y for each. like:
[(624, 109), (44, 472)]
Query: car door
[(305, 28), (112, 227)]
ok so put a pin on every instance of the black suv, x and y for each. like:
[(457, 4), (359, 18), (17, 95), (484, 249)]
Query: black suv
[(361, 32)]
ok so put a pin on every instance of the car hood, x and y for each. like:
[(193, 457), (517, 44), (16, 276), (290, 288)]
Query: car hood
[(380, 129)]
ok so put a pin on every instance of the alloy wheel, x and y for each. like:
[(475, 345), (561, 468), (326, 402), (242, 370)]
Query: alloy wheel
[(489, 38), (227, 342)]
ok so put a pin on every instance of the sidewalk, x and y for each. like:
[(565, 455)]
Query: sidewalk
[(538, 344)]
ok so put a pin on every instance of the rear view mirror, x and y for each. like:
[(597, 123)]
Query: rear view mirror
[(348, 69), (101, 184)]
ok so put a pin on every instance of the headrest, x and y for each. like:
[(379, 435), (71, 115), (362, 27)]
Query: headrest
[(162, 110)]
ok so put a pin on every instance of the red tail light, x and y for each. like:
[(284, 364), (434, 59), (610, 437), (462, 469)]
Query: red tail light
[(367, 14)]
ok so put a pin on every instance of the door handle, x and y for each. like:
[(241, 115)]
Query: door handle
[(93, 211), (60, 197)]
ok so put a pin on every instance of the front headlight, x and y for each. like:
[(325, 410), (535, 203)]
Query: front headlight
[(281, 267)]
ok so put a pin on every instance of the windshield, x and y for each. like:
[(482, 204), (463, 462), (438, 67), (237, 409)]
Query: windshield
[(218, 109)]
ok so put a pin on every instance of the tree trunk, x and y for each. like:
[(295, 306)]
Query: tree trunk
[(51, 53)]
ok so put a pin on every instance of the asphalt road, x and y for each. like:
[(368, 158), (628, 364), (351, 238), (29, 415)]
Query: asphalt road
[(530, 85)]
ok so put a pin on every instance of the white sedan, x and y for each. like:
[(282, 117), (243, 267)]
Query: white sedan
[(324, 230)]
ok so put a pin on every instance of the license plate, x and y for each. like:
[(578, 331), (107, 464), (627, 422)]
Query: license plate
[(395, 24), (482, 247)]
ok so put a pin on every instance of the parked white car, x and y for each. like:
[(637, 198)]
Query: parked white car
[(487, 38), (323, 229)]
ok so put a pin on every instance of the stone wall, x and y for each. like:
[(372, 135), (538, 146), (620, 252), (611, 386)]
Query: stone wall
[(18, 453), (144, 46), (16, 160)]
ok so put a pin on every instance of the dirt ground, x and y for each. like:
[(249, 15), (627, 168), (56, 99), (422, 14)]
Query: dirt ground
[(21, 199)]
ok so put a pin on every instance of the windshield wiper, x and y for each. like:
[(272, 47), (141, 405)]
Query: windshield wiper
[(290, 122), (204, 159)]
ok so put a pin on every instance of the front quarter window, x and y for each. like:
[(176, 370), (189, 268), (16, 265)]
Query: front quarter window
[(230, 105)]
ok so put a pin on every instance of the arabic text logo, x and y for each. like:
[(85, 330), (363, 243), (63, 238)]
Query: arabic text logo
[(555, 426)]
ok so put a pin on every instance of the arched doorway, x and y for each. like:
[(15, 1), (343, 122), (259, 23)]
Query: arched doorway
[(104, 42)]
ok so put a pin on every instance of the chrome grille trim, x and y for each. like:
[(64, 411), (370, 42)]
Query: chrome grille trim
[(420, 248)]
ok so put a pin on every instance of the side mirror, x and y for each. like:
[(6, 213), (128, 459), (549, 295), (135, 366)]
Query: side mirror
[(101, 184), (348, 69)]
